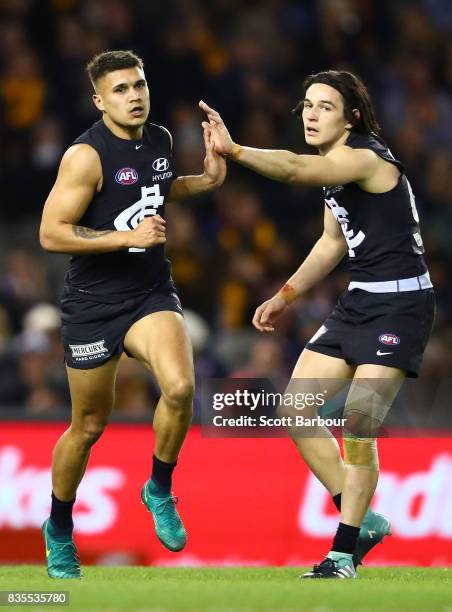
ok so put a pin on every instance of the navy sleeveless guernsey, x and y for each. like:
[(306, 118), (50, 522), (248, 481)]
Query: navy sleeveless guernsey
[(381, 229), (137, 176)]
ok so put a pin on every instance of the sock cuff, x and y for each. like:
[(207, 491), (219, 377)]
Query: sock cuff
[(60, 501), (163, 463), (349, 528)]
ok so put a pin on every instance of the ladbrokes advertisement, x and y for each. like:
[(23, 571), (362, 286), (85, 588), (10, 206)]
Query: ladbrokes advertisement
[(244, 501)]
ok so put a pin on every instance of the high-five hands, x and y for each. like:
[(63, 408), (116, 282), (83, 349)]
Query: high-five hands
[(220, 137), (214, 163)]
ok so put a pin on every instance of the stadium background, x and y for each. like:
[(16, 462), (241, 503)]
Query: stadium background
[(230, 250)]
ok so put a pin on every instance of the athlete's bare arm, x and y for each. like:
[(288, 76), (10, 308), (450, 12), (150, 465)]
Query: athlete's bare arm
[(340, 166), (79, 178), (324, 257), (214, 174)]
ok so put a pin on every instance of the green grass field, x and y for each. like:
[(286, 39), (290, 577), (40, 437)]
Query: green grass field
[(228, 589)]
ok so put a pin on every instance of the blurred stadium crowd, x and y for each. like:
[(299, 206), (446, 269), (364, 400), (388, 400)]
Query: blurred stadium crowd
[(234, 248)]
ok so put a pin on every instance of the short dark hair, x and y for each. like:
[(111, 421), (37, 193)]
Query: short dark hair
[(108, 61), (355, 96)]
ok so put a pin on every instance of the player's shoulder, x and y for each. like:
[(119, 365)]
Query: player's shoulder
[(375, 143), (96, 138), (346, 152), (369, 142), (81, 154), (81, 160), (160, 133), (357, 157)]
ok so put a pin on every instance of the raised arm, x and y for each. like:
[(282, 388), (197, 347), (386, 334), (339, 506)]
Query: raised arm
[(324, 257), (79, 178), (214, 174), (340, 166)]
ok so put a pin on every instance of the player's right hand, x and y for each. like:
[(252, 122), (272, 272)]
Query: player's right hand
[(149, 232), (268, 312)]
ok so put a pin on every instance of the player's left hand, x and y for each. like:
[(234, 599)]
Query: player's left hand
[(214, 164), (266, 314), (222, 141)]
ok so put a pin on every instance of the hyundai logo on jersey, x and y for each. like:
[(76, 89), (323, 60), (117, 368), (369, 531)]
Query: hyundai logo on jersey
[(390, 339), (126, 176), (161, 164)]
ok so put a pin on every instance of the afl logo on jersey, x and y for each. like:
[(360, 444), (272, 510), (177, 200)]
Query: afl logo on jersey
[(390, 339), (126, 176), (161, 164)]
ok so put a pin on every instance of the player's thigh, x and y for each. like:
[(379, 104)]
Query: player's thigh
[(92, 392), (312, 364), (160, 340), (372, 392), (316, 373)]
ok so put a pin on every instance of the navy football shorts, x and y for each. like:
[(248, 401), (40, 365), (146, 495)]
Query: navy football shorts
[(390, 329), (93, 329)]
